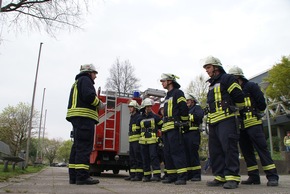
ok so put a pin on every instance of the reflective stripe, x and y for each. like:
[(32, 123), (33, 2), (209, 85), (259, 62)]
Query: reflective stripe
[(139, 170), (71, 166), (181, 170), (219, 178), (193, 168), (133, 138), (82, 112), (250, 119), (233, 178), (167, 126), (82, 166), (269, 167), (251, 168), (147, 173), (156, 171), (172, 171)]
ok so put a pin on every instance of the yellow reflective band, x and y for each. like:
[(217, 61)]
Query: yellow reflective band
[(233, 178), (132, 170), (251, 168), (269, 167), (147, 173), (169, 107), (233, 86), (156, 171), (75, 94), (139, 170), (96, 101), (71, 166), (219, 178), (181, 170), (181, 99), (82, 166), (172, 171)]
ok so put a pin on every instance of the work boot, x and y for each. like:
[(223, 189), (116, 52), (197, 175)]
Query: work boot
[(231, 185), (251, 181), (180, 182), (272, 183), (136, 178), (168, 181), (88, 181), (128, 178), (214, 183), (155, 179), (146, 179), (195, 179)]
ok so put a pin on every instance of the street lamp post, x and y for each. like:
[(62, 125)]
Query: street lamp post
[(39, 147), (31, 112), (264, 86)]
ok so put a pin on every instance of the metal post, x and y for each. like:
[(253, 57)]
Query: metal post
[(264, 86), (39, 159), (41, 155), (31, 112)]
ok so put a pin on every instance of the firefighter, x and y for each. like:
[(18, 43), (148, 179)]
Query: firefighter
[(224, 98), (136, 168), (82, 112), (175, 117), (252, 136), (150, 123), (192, 138)]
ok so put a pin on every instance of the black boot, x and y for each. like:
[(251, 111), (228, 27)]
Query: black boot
[(180, 182), (214, 183), (251, 181), (231, 185), (88, 181), (272, 183)]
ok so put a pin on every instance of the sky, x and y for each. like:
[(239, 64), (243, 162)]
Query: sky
[(156, 36)]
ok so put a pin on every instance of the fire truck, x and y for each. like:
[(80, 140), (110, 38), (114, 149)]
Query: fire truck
[(111, 140)]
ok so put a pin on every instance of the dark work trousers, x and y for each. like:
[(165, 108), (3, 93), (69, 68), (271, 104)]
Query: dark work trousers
[(223, 150), (136, 167), (192, 142), (174, 155), (83, 129), (251, 139), (150, 159)]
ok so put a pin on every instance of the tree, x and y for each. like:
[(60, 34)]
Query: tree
[(279, 80), (63, 151), (14, 124), (199, 87), (47, 14), (50, 148), (122, 78)]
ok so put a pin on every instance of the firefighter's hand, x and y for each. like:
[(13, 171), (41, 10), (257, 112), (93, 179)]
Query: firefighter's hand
[(101, 105)]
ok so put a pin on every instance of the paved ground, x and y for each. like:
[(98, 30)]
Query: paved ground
[(55, 180)]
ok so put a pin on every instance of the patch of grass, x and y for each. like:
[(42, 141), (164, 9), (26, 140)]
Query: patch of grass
[(18, 171)]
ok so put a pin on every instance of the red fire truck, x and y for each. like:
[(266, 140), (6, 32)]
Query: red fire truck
[(111, 145)]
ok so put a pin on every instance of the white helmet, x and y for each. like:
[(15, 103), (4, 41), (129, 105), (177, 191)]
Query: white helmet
[(236, 71), (190, 96), (147, 102), (169, 76), (88, 68), (213, 61), (133, 103)]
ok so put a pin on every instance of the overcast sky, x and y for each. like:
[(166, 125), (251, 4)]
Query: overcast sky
[(156, 36)]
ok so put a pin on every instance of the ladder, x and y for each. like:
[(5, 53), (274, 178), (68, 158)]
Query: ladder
[(110, 121)]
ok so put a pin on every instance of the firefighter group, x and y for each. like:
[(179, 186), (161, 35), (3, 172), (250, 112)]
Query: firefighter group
[(172, 136)]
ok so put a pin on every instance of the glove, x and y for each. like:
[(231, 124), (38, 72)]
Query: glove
[(101, 105)]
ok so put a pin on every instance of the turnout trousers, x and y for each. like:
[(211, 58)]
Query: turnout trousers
[(174, 155), (79, 161), (251, 139), (136, 167), (223, 150), (150, 159), (192, 142)]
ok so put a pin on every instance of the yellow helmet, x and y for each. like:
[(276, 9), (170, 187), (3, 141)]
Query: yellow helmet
[(88, 68), (213, 61)]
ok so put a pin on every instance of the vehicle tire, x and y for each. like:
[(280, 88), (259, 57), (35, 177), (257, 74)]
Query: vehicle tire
[(116, 171)]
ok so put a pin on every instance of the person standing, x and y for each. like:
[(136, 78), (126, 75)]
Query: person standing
[(150, 123), (175, 115), (287, 141), (224, 98), (136, 167), (192, 138), (82, 112), (252, 136)]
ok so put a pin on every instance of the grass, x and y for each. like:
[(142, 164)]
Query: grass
[(10, 173)]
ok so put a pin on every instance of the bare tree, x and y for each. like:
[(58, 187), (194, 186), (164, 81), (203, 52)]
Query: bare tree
[(42, 14), (199, 87), (122, 78)]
